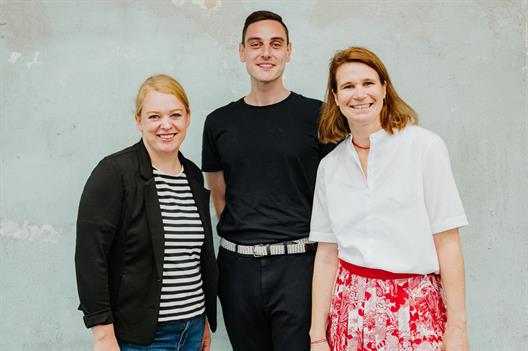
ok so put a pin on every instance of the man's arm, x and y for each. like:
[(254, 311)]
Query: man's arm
[(216, 183)]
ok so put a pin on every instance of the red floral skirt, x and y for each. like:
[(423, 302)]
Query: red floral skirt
[(378, 310)]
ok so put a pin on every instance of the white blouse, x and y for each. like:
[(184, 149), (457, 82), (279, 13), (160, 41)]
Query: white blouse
[(387, 219)]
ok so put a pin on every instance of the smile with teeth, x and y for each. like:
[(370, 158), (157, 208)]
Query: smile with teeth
[(361, 106), (266, 65), (167, 136)]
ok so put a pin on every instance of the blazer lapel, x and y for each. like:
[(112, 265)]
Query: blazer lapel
[(152, 208)]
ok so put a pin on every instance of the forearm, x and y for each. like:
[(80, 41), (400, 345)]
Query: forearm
[(217, 185), (325, 269), (219, 204), (451, 263)]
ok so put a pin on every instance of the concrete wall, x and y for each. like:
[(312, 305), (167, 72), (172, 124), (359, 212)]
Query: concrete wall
[(70, 71)]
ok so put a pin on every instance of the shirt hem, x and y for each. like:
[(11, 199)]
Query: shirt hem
[(324, 237), (451, 223)]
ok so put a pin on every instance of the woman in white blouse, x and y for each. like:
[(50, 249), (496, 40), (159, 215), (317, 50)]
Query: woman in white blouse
[(389, 271)]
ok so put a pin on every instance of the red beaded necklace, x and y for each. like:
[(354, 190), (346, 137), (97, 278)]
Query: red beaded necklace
[(359, 146)]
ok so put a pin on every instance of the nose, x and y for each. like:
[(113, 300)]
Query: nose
[(359, 93), (165, 123), (266, 50)]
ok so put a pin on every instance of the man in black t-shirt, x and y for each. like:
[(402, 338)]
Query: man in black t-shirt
[(260, 155)]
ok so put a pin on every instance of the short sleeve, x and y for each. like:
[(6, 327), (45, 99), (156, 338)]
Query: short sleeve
[(320, 225), (210, 157), (442, 200)]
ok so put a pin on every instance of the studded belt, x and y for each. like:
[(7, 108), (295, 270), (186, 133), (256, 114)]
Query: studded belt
[(283, 248)]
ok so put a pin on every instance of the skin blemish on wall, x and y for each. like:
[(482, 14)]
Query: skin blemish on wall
[(45, 233)]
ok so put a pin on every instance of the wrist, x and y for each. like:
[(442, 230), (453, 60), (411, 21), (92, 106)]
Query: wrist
[(103, 332), (317, 335), (456, 326), (456, 319), (318, 341)]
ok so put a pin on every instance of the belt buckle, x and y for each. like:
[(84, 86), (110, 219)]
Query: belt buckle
[(256, 247)]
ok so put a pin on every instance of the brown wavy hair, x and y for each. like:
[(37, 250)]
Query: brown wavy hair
[(395, 113)]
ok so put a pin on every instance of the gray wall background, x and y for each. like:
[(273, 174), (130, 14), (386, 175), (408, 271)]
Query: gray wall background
[(69, 75)]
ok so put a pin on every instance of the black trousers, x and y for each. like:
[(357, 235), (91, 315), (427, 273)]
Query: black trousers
[(266, 301)]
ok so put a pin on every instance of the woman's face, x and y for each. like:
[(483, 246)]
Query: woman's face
[(359, 93), (163, 123)]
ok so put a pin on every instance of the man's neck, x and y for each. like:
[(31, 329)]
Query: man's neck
[(266, 93)]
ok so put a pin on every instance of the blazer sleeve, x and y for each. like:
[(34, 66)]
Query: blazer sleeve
[(97, 223)]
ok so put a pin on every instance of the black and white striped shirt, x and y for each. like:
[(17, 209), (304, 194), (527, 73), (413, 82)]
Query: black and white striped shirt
[(182, 295)]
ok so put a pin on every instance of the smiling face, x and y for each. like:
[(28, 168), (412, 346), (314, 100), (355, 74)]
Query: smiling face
[(265, 51), (163, 122), (359, 94)]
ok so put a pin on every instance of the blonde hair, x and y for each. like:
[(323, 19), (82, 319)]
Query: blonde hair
[(395, 113), (161, 83)]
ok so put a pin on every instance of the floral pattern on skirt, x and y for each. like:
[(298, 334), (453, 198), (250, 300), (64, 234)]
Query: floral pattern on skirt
[(369, 314)]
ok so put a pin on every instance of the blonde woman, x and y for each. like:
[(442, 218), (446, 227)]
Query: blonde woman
[(146, 271)]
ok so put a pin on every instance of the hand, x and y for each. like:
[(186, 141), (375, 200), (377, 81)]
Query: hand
[(455, 338), (106, 345), (206, 339), (104, 338)]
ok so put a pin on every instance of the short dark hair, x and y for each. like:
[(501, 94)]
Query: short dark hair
[(261, 16)]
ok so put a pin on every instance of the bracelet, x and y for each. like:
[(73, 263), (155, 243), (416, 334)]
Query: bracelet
[(320, 341)]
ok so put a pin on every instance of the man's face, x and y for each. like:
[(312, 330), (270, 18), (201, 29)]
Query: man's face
[(265, 51)]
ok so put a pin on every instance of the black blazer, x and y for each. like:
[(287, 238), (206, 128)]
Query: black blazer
[(119, 250)]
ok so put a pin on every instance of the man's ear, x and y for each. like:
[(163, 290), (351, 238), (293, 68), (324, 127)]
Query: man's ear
[(289, 49), (241, 52)]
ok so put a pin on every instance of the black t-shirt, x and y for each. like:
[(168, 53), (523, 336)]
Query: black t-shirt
[(269, 156)]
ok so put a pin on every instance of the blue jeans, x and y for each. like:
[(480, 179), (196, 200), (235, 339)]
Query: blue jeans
[(174, 336)]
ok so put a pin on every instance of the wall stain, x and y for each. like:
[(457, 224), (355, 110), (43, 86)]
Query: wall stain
[(222, 21), (25, 25), (34, 61), (209, 4), (26, 231), (14, 57)]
